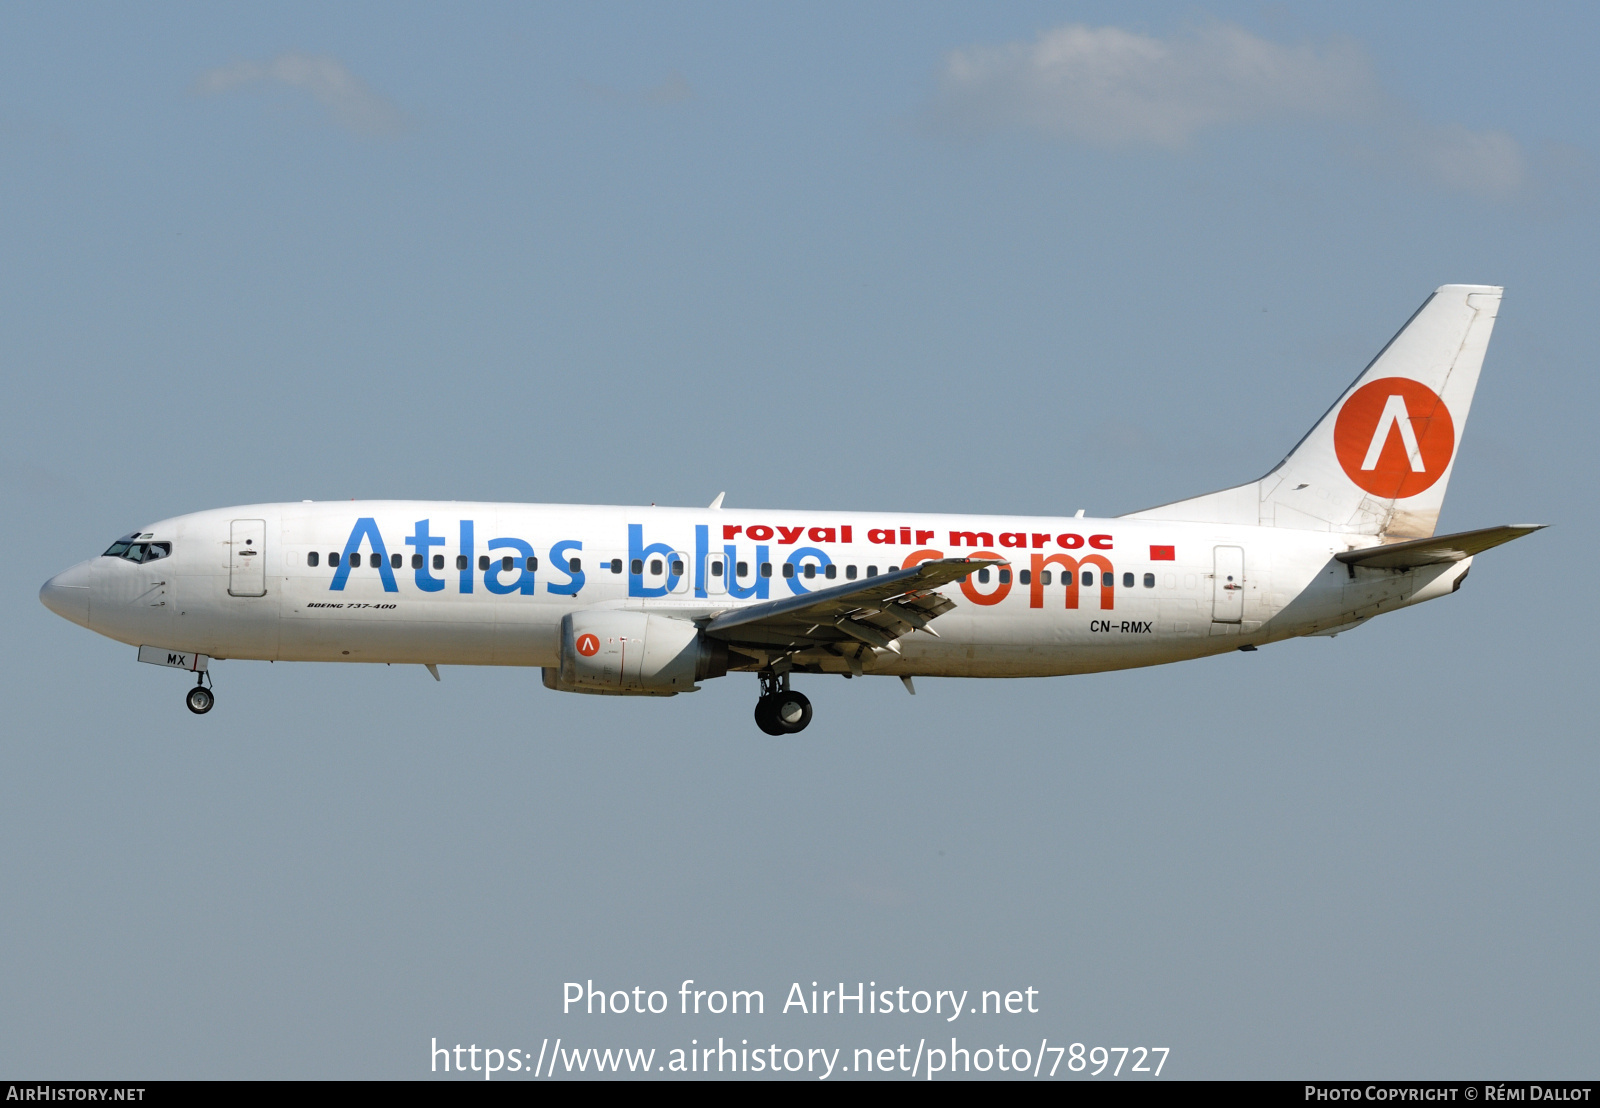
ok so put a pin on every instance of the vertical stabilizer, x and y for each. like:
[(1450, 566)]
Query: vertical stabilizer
[(1379, 461)]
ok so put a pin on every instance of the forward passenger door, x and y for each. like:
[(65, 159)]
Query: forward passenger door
[(247, 558)]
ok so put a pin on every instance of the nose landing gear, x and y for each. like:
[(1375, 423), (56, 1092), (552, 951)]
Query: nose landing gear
[(200, 699), (780, 710)]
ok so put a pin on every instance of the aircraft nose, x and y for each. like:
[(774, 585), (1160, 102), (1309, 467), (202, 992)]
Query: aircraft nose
[(67, 593)]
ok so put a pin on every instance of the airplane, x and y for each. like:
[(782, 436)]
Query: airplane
[(652, 601)]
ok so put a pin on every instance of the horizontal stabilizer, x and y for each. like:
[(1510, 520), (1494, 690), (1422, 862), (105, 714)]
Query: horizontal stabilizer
[(1439, 550)]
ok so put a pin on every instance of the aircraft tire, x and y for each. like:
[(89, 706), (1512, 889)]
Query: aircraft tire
[(767, 716), (792, 712), (199, 700)]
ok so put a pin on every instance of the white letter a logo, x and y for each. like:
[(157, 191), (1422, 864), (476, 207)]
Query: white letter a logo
[(1394, 414)]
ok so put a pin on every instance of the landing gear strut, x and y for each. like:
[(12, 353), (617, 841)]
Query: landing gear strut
[(780, 710), (200, 699)]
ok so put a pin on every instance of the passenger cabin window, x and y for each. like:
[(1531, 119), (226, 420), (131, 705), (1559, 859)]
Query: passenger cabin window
[(811, 570), (872, 571), (1088, 578), (1044, 577), (461, 561), (850, 573), (742, 569), (483, 561), (616, 565), (655, 567), (677, 568), (1149, 580), (716, 569), (637, 567), (532, 564), (416, 561), (1108, 579), (333, 557), (438, 561), (766, 569), (983, 576), (506, 563), (395, 561), (313, 558), (831, 572), (1024, 576), (1127, 580), (788, 569), (1005, 577)]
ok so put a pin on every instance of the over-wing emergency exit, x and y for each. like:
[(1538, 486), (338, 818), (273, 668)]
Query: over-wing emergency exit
[(653, 601)]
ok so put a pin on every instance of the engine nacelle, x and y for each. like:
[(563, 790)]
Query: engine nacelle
[(633, 654)]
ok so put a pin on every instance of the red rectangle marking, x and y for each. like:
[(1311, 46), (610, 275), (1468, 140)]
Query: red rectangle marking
[(1163, 554)]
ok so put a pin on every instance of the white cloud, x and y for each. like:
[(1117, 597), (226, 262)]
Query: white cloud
[(673, 90), (1117, 88), (349, 101), (1114, 87), (1486, 163)]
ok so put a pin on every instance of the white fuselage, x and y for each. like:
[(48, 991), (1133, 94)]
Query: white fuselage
[(1158, 591)]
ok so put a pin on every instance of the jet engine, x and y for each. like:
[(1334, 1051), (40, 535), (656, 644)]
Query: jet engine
[(633, 654)]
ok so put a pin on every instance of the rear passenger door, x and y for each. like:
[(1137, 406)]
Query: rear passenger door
[(1227, 595)]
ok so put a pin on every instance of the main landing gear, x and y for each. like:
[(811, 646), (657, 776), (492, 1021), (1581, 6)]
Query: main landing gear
[(781, 710), (200, 699)]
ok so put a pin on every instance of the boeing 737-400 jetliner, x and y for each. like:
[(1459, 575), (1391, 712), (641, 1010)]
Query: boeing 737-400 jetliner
[(649, 601)]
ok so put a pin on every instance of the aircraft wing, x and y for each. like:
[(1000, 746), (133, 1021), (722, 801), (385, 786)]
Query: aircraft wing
[(875, 611), (1437, 550)]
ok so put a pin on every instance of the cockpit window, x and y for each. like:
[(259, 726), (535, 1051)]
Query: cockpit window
[(138, 552), (120, 547)]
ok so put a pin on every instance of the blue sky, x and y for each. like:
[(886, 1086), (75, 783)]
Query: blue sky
[(1015, 258)]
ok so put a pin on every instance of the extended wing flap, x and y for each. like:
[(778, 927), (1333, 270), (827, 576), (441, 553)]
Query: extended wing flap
[(890, 605), (1438, 550)]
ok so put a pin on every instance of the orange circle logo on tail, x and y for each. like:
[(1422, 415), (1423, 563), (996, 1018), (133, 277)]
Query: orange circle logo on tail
[(1394, 437), (588, 645)]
